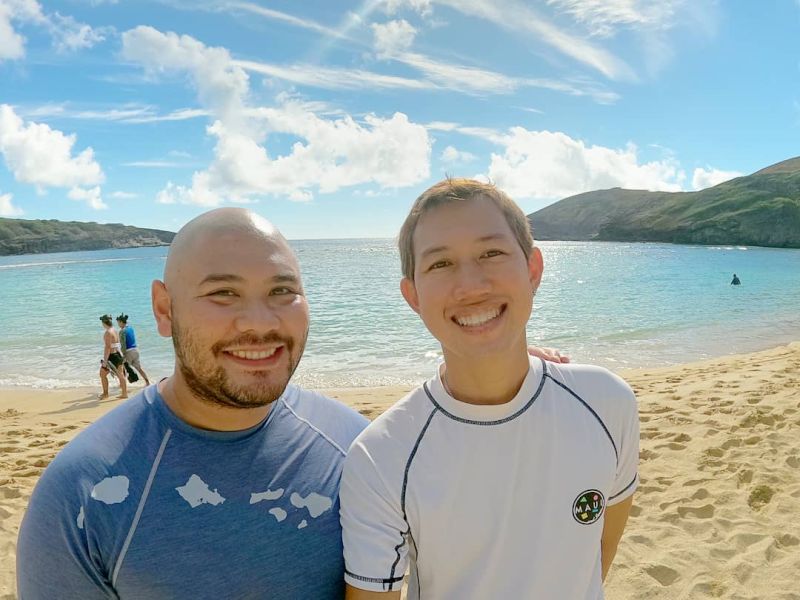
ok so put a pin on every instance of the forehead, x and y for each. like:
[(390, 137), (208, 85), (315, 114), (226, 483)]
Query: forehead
[(247, 255), (460, 222)]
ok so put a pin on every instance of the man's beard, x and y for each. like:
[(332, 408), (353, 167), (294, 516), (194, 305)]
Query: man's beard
[(211, 384)]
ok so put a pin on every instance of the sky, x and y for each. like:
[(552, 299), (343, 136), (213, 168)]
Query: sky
[(330, 118)]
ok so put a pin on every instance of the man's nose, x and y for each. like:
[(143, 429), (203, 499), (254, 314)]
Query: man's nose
[(471, 282), (258, 316)]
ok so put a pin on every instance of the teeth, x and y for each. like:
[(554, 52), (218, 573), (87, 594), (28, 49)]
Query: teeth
[(253, 355), (479, 319)]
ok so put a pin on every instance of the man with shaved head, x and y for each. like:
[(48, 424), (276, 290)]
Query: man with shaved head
[(220, 481)]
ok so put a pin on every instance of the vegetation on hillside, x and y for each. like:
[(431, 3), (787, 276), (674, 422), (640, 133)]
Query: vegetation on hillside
[(762, 209), (21, 236)]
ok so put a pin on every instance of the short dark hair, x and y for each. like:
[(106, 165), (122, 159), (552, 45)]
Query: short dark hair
[(123, 318), (460, 190)]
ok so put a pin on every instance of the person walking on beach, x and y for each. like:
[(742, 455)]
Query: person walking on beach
[(130, 351), (222, 480), (501, 476), (112, 359)]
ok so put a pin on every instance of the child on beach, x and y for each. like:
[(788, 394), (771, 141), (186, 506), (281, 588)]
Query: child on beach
[(502, 476)]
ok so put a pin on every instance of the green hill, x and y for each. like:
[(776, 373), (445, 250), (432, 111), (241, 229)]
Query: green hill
[(762, 209), (21, 236)]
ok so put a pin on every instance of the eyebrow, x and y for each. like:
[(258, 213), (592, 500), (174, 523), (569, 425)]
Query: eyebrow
[(231, 278), (485, 238)]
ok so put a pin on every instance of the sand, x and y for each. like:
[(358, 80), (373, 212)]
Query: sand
[(717, 514)]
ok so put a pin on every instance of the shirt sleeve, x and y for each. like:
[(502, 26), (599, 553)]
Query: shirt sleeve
[(55, 555), (374, 530), (627, 476)]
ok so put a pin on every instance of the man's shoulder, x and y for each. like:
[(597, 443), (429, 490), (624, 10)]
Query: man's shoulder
[(106, 442), (399, 427), (333, 420), (596, 386)]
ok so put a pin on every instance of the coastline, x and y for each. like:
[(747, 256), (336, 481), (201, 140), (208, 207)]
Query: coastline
[(716, 514)]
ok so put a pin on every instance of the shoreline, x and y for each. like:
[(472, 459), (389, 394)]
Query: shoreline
[(717, 513)]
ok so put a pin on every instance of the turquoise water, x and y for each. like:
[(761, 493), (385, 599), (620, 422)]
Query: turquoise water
[(614, 304)]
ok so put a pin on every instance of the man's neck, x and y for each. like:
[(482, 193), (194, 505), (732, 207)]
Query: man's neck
[(485, 381), (205, 415)]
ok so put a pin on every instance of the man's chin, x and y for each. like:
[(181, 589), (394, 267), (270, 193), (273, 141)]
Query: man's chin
[(254, 396)]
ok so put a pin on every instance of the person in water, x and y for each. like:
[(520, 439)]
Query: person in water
[(735, 280), (130, 351), (112, 359)]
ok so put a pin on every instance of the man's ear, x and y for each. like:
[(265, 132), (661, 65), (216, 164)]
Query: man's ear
[(409, 291), (535, 268), (162, 308)]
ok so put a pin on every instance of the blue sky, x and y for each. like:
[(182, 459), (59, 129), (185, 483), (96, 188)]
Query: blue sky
[(329, 118)]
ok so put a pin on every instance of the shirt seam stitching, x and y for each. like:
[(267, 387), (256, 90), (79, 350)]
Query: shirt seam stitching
[(140, 507), (322, 434)]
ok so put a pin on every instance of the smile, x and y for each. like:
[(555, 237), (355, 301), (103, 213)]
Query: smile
[(253, 355), (478, 319)]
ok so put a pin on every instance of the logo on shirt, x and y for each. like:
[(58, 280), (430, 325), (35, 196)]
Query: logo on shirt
[(588, 507)]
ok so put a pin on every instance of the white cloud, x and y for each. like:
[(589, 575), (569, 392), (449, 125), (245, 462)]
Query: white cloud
[(70, 35), (484, 133), (393, 37), (605, 17), (221, 84), (516, 16), (452, 155), (423, 7), (284, 18), (330, 78), (546, 165), (709, 177), (12, 44), (42, 156), (120, 195), (330, 153), (67, 33), (7, 208), (91, 196), (334, 153)]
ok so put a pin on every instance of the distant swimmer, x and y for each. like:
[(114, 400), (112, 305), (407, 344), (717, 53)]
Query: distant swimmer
[(735, 280)]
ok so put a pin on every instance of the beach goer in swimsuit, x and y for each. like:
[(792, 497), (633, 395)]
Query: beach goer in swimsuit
[(112, 361), (502, 476), (130, 351), (220, 481)]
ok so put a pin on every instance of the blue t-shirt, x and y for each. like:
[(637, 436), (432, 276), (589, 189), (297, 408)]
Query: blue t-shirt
[(142, 505), (128, 337)]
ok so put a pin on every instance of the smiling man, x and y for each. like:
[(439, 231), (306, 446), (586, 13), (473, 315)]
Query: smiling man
[(502, 476), (222, 480)]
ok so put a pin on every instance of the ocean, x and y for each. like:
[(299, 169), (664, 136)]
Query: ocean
[(619, 305)]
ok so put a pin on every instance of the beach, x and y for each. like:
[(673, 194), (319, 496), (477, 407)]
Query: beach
[(717, 513)]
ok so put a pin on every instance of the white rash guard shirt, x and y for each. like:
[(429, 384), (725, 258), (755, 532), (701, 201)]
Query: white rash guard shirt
[(485, 501)]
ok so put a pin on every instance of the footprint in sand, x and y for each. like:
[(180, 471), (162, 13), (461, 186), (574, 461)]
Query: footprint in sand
[(760, 496), (672, 446), (701, 512), (662, 574), (793, 462), (647, 454)]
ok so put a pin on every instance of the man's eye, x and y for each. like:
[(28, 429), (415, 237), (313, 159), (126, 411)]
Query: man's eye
[(222, 294), (493, 253), (439, 264), (281, 291)]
